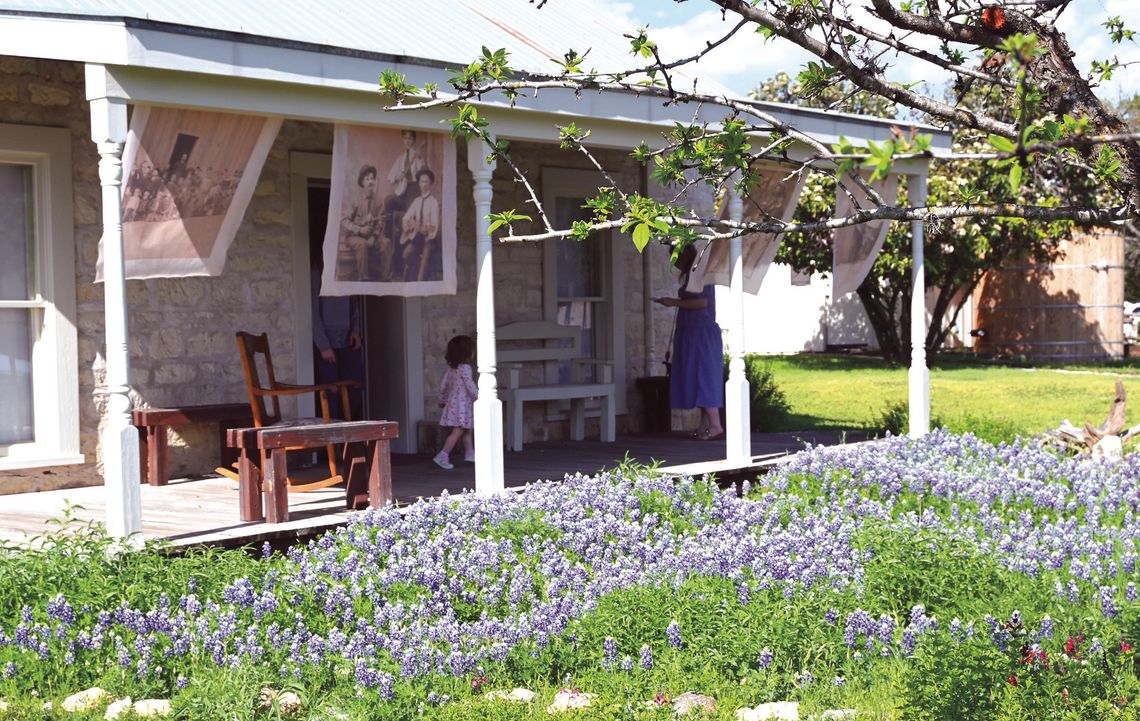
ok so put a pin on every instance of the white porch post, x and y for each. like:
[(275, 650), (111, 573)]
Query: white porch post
[(120, 438), (738, 419), (919, 376), (488, 407)]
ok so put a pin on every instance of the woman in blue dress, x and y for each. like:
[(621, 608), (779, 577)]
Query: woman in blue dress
[(696, 379)]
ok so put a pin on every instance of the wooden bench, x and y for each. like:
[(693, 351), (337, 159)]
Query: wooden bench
[(544, 342), (368, 477), (153, 425)]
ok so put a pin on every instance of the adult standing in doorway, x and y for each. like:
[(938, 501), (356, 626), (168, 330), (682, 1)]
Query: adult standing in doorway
[(697, 376), (337, 322)]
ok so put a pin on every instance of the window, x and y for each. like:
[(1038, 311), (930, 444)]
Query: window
[(582, 278), (39, 418)]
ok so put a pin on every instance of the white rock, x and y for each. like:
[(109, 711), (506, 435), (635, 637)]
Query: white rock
[(153, 708), (85, 700), (288, 702), (3, 705), (839, 714), (689, 702), (568, 699), (1109, 447), (776, 711), (117, 708), (521, 695)]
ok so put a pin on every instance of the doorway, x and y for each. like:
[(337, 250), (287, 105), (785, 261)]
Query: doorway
[(393, 351)]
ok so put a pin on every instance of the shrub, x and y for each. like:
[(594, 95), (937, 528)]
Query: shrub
[(767, 404)]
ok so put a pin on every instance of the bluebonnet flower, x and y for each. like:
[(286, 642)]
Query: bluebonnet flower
[(838, 681), (646, 657), (673, 632), (832, 616), (805, 679), (1130, 592), (626, 663), (10, 669), (765, 658)]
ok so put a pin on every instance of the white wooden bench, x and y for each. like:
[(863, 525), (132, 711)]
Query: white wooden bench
[(543, 342)]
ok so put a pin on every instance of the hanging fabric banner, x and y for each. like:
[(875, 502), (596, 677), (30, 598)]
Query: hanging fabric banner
[(189, 176), (775, 195), (855, 247), (391, 224)]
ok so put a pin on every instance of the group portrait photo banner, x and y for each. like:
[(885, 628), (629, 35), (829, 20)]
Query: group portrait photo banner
[(188, 179), (392, 213)]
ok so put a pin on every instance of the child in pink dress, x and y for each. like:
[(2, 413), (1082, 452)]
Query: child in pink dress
[(457, 393)]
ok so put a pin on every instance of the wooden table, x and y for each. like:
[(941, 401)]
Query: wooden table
[(369, 464), (153, 425)]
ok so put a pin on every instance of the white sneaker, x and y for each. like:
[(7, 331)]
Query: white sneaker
[(442, 461), (469, 456)]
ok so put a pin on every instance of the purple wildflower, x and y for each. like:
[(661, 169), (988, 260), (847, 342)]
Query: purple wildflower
[(673, 632)]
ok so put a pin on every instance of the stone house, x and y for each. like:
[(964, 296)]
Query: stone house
[(71, 78)]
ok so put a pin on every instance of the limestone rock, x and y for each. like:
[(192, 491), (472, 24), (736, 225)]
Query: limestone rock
[(153, 708), (85, 700), (520, 695), (568, 699), (688, 702), (287, 701), (117, 709), (774, 711)]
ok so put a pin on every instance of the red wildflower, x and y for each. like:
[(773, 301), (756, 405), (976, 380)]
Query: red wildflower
[(993, 17), (1012, 680), (1125, 647)]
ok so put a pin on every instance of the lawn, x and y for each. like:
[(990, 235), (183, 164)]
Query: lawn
[(997, 402), (939, 578)]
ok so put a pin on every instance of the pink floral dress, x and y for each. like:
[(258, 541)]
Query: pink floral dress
[(457, 393)]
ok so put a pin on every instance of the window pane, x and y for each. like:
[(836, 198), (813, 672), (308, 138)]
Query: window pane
[(15, 231), (16, 419), (578, 264)]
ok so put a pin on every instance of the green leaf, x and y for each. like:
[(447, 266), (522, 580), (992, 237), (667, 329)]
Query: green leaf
[(641, 236), (1015, 177), (1002, 144)]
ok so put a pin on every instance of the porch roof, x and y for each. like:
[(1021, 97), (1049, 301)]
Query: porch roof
[(282, 57)]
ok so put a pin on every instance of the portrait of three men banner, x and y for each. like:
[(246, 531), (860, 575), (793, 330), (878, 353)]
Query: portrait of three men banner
[(391, 225)]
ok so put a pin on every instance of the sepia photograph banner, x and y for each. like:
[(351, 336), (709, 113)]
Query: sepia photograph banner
[(189, 176), (854, 248), (774, 196), (391, 224)]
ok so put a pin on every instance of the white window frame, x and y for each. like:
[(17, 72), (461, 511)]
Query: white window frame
[(55, 361), (610, 333)]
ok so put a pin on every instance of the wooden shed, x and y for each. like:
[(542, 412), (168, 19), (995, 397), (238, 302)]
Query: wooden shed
[(1069, 310)]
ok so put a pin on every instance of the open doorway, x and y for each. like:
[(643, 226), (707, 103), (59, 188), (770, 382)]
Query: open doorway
[(393, 352)]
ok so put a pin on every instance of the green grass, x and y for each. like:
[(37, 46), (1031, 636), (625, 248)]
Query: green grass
[(828, 392)]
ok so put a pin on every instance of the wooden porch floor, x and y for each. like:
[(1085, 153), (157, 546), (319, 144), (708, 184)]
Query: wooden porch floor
[(205, 510)]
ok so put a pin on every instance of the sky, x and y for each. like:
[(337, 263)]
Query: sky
[(681, 28)]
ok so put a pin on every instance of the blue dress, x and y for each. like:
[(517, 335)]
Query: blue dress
[(697, 376)]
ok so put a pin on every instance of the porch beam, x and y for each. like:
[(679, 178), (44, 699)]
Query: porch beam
[(488, 407), (120, 439), (737, 421), (918, 378)]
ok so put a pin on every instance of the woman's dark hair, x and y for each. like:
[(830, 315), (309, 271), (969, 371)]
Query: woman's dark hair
[(365, 171), (686, 258), (460, 349), (427, 172)]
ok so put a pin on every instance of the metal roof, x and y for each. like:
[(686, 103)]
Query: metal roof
[(443, 32)]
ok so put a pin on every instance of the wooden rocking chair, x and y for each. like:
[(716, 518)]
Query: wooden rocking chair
[(265, 393)]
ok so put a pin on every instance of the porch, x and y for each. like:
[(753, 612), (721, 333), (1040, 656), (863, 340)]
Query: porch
[(191, 511)]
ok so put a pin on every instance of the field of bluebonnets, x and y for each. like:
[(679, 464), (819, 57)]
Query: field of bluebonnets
[(933, 579)]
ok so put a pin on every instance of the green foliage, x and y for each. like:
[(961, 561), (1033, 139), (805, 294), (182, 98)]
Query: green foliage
[(767, 404)]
